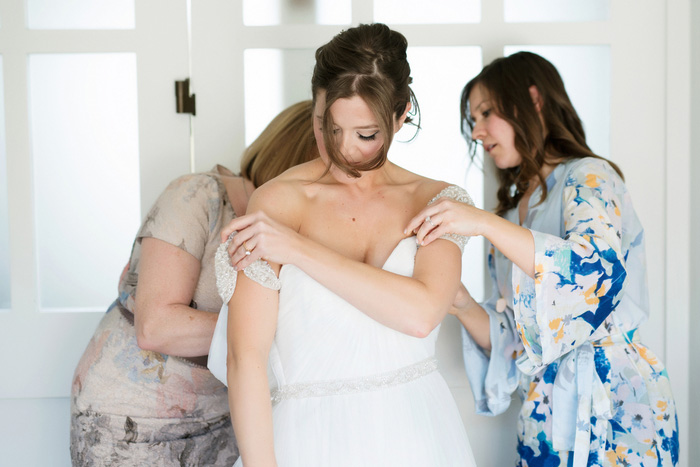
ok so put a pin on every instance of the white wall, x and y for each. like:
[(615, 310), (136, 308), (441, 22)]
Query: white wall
[(693, 449)]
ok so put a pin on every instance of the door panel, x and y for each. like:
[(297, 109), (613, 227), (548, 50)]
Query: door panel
[(38, 349)]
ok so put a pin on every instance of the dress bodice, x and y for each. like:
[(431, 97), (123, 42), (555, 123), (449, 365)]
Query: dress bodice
[(339, 341)]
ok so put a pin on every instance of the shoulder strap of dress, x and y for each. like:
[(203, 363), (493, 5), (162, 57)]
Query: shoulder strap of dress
[(259, 271), (458, 194)]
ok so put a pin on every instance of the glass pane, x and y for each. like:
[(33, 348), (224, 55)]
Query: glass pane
[(439, 151), (80, 14), (274, 79), (422, 12), (272, 12), (556, 10), (84, 136), (586, 74), (4, 215)]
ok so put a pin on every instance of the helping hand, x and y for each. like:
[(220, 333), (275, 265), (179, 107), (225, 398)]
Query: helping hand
[(446, 216), (257, 236)]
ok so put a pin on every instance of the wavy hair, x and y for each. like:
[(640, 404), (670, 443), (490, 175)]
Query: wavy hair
[(288, 140), (553, 133)]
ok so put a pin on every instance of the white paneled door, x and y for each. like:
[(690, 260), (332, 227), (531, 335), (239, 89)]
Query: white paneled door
[(90, 137)]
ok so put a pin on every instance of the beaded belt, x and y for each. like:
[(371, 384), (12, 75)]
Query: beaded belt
[(355, 385)]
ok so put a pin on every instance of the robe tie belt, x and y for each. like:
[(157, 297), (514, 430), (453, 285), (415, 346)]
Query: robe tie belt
[(579, 394)]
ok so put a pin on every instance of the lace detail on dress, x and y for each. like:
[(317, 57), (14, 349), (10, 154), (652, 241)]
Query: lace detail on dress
[(349, 386), (458, 194), (260, 272)]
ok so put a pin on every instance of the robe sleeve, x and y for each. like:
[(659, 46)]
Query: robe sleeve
[(493, 376), (580, 278)]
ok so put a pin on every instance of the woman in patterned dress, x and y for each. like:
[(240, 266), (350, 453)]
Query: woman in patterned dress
[(142, 394), (569, 292)]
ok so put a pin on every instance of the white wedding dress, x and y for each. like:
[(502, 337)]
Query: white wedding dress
[(350, 391)]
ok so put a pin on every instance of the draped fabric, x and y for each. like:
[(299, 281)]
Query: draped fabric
[(351, 391)]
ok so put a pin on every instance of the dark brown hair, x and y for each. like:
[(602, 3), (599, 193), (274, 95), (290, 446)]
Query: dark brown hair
[(367, 61), (288, 140), (558, 135)]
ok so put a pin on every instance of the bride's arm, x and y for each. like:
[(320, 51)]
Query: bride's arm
[(252, 319), (412, 305)]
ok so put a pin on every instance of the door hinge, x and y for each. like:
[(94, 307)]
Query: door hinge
[(185, 103)]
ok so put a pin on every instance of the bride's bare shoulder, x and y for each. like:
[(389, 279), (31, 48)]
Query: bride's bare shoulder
[(285, 196), (422, 189)]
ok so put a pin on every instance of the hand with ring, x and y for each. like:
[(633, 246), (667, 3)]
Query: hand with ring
[(257, 236), (446, 216)]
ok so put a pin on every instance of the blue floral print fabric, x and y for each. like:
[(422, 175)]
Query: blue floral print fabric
[(567, 342)]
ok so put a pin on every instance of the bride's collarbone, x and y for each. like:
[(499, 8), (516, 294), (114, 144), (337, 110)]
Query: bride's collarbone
[(361, 238)]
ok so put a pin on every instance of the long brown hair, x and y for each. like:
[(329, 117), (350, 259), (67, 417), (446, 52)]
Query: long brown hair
[(288, 140), (557, 135), (367, 61)]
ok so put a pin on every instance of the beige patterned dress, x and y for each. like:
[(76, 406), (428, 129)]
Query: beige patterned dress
[(135, 407)]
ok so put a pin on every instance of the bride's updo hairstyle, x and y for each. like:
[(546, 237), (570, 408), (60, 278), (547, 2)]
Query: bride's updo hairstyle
[(368, 61), (557, 135)]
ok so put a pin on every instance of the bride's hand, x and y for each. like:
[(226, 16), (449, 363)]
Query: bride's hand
[(257, 236), (446, 216)]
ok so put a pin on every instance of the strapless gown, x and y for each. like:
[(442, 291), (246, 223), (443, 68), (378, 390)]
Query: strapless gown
[(350, 391)]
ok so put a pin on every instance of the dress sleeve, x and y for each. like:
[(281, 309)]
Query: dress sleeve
[(458, 194), (185, 214), (493, 376), (579, 279), (259, 271)]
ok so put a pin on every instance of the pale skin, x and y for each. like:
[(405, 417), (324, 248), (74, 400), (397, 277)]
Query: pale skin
[(514, 241), (340, 231), (163, 319)]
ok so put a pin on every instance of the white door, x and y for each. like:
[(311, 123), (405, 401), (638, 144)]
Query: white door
[(89, 137), (252, 58), (61, 251)]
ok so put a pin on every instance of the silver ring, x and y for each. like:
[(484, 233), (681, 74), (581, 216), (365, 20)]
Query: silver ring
[(427, 219)]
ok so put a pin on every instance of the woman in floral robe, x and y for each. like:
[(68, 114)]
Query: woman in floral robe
[(569, 282)]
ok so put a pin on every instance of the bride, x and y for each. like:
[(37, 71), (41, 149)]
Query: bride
[(350, 336)]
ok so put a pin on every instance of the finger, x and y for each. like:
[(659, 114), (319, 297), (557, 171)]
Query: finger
[(248, 259), (434, 234), (423, 231), (241, 243), (434, 231), (249, 251), (237, 224), (415, 223)]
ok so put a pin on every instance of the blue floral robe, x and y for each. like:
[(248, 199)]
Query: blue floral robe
[(567, 340)]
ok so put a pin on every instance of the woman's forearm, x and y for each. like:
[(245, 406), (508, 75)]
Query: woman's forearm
[(163, 318), (175, 330), (475, 320), (449, 216), (514, 241), (251, 412)]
